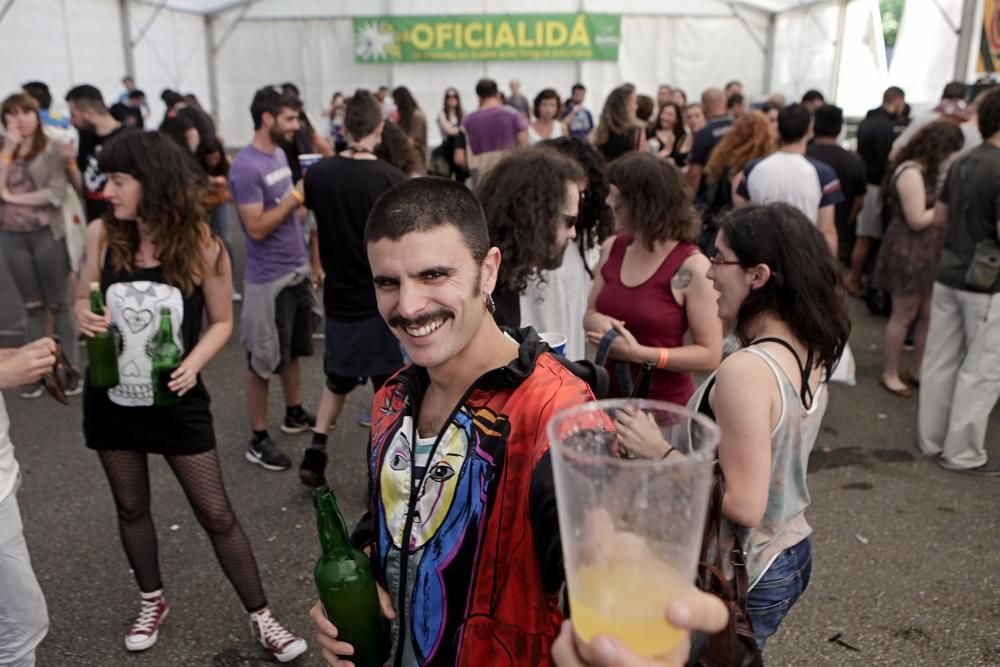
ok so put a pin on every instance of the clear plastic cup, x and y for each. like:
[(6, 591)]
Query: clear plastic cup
[(631, 522)]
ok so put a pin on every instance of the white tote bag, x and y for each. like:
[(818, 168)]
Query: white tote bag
[(75, 224)]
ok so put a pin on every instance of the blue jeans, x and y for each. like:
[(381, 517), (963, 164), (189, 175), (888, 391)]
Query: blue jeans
[(780, 587)]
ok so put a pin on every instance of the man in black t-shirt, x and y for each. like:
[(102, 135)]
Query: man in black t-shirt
[(828, 120), (341, 191), (91, 117), (713, 101), (876, 133), (129, 112)]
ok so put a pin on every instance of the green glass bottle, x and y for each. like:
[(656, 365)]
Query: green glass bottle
[(101, 349), (347, 588), (166, 359)]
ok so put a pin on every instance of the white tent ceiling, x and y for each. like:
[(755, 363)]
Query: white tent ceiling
[(222, 50), (300, 8)]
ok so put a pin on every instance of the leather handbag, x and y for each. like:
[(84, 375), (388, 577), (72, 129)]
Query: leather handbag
[(736, 644)]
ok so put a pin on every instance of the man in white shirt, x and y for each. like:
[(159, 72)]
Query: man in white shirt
[(791, 176), (24, 619)]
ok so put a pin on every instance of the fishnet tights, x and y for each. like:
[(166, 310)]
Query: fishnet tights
[(201, 479)]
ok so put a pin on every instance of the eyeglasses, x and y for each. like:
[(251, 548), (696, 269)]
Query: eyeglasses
[(449, 96), (719, 260), (569, 220)]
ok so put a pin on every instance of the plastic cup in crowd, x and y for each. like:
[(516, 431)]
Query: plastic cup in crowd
[(555, 341), (631, 521)]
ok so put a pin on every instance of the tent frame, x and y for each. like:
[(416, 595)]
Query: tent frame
[(213, 46)]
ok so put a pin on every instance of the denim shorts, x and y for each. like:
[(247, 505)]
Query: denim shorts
[(780, 587)]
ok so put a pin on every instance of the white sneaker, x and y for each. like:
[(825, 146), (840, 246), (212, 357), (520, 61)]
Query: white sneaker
[(271, 635), (146, 627)]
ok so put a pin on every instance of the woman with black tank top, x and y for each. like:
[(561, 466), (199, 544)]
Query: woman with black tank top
[(779, 290), (619, 130), (153, 249)]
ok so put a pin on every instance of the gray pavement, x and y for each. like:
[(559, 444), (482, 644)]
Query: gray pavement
[(905, 554)]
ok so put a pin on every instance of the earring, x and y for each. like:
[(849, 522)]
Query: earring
[(491, 306)]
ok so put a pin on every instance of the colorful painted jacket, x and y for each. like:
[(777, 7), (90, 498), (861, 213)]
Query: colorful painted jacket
[(478, 583)]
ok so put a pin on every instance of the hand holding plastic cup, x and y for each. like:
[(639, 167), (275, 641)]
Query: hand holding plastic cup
[(307, 160), (555, 341), (631, 528)]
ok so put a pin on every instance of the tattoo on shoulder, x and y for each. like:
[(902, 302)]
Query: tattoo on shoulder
[(681, 279)]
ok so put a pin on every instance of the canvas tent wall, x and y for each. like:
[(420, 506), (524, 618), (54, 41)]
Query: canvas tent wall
[(938, 41), (222, 50)]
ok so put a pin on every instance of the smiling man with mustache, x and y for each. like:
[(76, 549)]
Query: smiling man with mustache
[(462, 523)]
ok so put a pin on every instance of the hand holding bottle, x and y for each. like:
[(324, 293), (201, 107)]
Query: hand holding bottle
[(337, 653), (89, 322)]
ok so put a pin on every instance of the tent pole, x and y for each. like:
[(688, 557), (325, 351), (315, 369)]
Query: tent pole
[(772, 22), (6, 8), (213, 80), (125, 21), (966, 34), (838, 50)]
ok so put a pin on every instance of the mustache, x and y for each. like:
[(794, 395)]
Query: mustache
[(400, 322)]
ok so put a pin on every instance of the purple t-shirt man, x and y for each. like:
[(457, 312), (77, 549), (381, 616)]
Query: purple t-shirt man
[(257, 177), (494, 129)]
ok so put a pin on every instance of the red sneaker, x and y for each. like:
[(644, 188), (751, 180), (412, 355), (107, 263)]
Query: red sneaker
[(275, 638), (146, 626)]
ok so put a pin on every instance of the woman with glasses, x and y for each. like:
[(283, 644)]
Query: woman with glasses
[(32, 233), (650, 289), (152, 252), (778, 290)]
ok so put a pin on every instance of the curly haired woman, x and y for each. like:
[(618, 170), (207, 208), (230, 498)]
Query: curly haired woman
[(556, 300), (650, 286), (153, 250), (531, 199), (908, 258), (750, 138)]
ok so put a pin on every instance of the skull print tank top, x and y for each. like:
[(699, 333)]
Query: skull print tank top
[(124, 417)]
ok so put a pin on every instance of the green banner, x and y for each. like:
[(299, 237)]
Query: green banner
[(447, 39)]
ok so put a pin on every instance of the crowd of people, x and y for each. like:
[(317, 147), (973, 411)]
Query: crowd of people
[(717, 238)]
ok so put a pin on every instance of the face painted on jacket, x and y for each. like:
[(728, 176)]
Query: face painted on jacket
[(437, 489)]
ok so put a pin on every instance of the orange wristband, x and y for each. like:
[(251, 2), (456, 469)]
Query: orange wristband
[(6, 159), (664, 356), (299, 198)]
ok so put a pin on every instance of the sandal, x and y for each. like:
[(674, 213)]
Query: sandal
[(905, 392)]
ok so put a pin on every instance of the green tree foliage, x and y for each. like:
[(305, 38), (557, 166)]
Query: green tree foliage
[(892, 10)]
